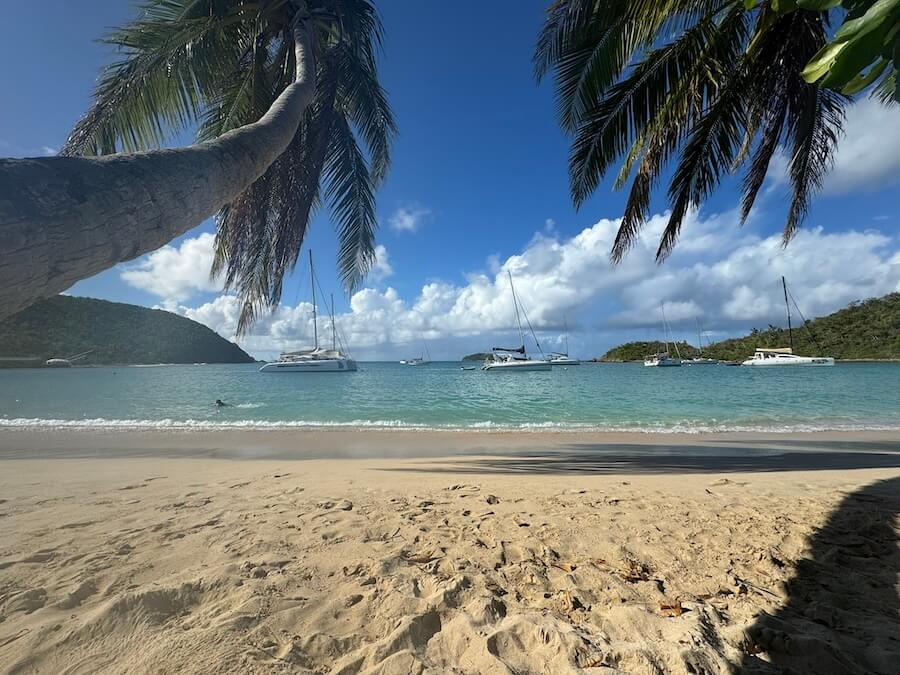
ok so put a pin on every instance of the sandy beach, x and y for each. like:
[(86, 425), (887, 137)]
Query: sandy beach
[(394, 552)]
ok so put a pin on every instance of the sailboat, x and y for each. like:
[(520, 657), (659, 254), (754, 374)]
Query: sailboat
[(663, 359), (317, 359), (423, 360), (699, 360), (66, 362), (563, 358), (515, 358), (784, 356)]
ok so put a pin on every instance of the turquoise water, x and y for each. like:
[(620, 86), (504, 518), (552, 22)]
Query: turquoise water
[(441, 395)]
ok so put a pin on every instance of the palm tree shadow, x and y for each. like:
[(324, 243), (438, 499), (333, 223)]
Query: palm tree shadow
[(843, 609)]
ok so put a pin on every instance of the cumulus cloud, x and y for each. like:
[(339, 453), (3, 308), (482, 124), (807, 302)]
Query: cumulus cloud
[(720, 274), (868, 157), (175, 273), (408, 218), (382, 268)]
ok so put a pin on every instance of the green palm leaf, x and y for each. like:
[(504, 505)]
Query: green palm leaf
[(703, 84), (351, 195), (219, 64)]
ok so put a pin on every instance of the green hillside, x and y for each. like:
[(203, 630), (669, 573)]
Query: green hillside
[(862, 330), (117, 333), (636, 351)]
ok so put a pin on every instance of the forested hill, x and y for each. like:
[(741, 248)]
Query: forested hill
[(862, 330), (116, 333)]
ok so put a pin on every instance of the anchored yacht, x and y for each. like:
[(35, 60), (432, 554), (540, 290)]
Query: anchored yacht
[(515, 358), (318, 359), (785, 356), (662, 359)]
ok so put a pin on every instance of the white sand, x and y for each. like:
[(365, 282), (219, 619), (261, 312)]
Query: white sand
[(166, 553)]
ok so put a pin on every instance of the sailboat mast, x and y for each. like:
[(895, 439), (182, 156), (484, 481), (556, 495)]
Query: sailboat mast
[(516, 307), (787, 306), (333, 330), (699, 339), (566, 329), (312, 282), (662, 309)]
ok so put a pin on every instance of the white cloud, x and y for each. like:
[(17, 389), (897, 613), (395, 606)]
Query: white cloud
[(47, 150), (868, 157), (382, 268), (408, 218), (719, 273), (174, 274)]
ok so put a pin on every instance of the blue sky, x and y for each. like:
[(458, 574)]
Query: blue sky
[(478, 186)]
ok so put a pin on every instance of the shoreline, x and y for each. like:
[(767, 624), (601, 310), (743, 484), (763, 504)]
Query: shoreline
[(639, 451), (399, 426)]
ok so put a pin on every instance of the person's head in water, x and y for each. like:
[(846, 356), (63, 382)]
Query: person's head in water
[(220, 403)]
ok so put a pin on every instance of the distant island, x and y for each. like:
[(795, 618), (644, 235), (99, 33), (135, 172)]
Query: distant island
[(478, 356), (867, 330), (114, 333)]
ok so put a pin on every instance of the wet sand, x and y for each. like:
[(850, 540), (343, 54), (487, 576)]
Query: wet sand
[(409, 552)]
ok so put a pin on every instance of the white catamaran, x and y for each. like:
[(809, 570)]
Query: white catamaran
[(663, 359), (785, 356), (515, 359), (317, 359)]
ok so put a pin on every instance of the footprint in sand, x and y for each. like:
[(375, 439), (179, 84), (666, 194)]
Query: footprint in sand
[(81, 593), (73, 526), (27, 602)]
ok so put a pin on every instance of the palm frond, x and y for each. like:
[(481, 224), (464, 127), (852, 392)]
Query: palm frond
[(259, 236), (351, 196), (814, 134), (364, 101), (220, 64), (618, 120), (173, 56), (708, 155), (688, 85)]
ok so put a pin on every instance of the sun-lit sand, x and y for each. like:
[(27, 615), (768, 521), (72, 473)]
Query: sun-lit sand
[(392, 552)]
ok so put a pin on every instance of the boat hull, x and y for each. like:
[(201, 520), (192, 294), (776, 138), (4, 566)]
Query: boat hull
[(795, 362), (310, 366), (663, 363), (700, 362), (517, 366), (565, 362)]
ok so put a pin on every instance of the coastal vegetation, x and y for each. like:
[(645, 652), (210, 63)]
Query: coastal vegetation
[(709, 87), (113, 333), (283, 93), (477, 356), (868, 329)]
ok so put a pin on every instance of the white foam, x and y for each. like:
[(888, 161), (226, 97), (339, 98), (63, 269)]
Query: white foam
[(684, 427)]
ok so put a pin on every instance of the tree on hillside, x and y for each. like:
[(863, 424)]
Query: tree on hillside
[(709, 86), (281, 91)]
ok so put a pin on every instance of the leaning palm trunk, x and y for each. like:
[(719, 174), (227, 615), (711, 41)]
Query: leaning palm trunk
[(63, 219)]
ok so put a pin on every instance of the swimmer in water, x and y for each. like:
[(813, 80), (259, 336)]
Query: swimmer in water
[(220, 403)]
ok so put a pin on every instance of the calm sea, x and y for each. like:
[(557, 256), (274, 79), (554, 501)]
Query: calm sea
[(442, 395)]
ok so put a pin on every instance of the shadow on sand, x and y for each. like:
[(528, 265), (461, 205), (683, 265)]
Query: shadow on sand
[(843, 609), (720, 457)]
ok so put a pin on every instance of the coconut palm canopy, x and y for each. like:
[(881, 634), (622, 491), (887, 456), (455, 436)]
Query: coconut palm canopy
[(215, 65), (705, 86)]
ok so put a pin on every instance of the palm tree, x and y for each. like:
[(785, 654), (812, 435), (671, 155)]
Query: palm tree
[(281, 93), (704, 84)]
